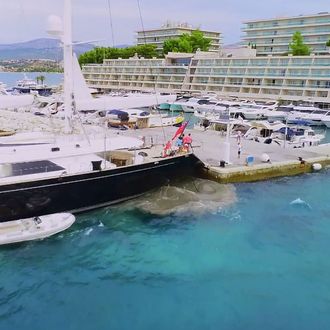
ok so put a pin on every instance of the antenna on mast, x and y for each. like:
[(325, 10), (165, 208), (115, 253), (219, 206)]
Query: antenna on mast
[(63, 30)]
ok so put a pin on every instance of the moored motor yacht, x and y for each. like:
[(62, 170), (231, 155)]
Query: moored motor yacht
[(222, 124), (27, 86), (194, 102), (252, 111), (282, 135), (176, 106), (311, 117), (326, 119), (298, 137), (138, 118)]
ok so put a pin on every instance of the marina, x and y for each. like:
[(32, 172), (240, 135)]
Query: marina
[(208, 147), (178, 191)]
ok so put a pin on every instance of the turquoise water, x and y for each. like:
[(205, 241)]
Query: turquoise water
[(253, 261), (226, 257)]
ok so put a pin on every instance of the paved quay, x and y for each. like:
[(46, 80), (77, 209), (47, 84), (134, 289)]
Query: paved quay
[(208, 147)]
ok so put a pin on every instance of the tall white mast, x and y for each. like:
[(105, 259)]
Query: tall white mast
[(68, 64)]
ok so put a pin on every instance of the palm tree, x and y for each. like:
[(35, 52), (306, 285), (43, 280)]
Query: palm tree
[(42, 79)]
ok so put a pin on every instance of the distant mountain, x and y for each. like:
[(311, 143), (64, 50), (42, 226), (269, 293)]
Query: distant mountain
[(230, 46), (123, 46), (43, 48)]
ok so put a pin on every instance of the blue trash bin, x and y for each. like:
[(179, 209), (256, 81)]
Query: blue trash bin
[(249, 160)]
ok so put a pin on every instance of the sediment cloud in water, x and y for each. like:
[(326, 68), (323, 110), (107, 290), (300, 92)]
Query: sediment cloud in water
[(189, 198)]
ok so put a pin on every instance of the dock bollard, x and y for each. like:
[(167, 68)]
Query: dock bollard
[(317, 167)]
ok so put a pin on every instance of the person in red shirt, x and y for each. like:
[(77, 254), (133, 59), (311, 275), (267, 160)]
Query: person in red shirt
[(187, 141), (167, 149)]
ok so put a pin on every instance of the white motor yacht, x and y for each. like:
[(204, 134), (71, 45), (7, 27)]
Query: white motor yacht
[(27, 86), (310, 117), (252, 111), (280, 134), (194, 103), (216, 106), (326, 119), (137, 118)]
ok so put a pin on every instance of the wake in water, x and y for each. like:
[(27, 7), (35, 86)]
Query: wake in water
[(301, 203), (188, 198)]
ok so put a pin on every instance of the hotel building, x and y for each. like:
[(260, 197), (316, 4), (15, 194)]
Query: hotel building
[(272, 36), (175, 30), (290, 78)]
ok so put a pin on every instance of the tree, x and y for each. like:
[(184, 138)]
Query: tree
[(171, 45), (42, 79), (198, 41), (328, 43), (297, 46), (187, 43), (98, 54)]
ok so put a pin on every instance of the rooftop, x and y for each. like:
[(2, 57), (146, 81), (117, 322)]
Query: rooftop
[(288, 17)]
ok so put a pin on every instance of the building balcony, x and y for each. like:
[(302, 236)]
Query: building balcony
[(286, 26)]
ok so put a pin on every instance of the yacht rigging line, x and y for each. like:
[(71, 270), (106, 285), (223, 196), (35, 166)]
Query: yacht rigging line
[(145, 42), (142, 24), (161, 118), (111, 23)]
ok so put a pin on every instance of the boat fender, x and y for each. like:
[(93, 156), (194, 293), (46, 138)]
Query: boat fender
[(265, 158), (317, 167)]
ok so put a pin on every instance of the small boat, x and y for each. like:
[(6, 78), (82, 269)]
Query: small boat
[(26, 86), (34, 228), (177, 105), (6, 132), (313, 118), (282, 135), (136, 118), (194, 102)]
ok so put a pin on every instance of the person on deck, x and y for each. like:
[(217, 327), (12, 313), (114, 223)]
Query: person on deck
[(167, 149), (239, 150), (179, 143), (187, 141)]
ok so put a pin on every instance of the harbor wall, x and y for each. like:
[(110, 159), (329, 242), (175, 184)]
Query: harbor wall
[(261, 172)]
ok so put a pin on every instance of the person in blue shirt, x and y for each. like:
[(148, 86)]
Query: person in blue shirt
[(179, 143)]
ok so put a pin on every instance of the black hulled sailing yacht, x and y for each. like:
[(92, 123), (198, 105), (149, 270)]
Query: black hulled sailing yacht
[(43, 179), (72, 176)]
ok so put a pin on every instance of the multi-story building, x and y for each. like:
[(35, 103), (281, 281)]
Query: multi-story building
[(138, 74), (175, 30), (290, 78), (273, 36)]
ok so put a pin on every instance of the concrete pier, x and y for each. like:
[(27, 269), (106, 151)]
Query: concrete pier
[(208, 146)]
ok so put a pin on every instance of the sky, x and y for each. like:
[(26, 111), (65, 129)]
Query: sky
[(22, 20)]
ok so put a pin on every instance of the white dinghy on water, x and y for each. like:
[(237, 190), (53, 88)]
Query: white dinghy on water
[(34, 228)]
